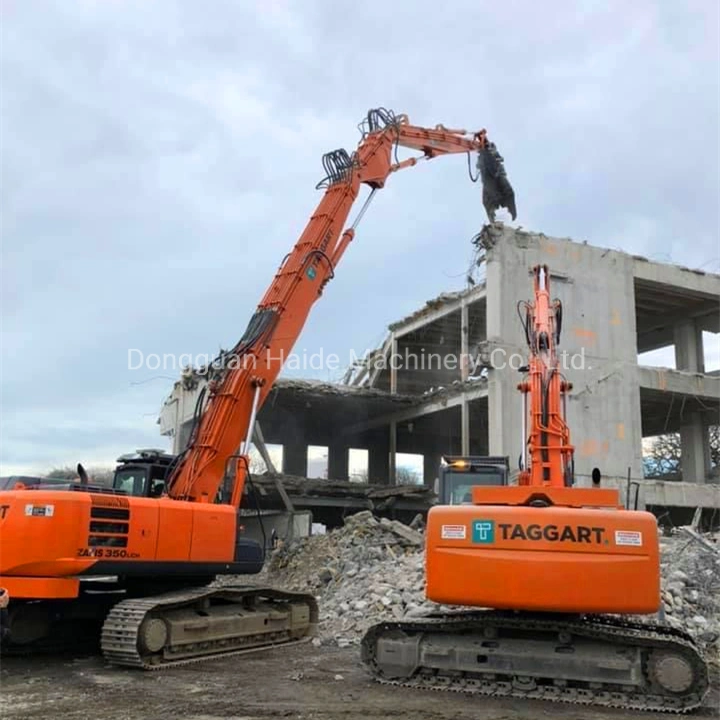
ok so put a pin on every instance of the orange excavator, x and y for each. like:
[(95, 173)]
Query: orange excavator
[(139, 563), (543, 576)]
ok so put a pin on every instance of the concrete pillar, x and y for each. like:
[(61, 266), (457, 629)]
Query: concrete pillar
[(392, 438), (689, 351), (479, 427), (465, 428), (464, 344), (507, 281), (295, 459), (505, 413), (338, 462), (695, 450), (393, 364), (431, 467), (379, 460)]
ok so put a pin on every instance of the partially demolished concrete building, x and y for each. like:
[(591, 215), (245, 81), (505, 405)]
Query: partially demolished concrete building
[(445, 379)]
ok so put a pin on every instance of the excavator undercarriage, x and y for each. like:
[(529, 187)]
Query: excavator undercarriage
[(184, 627), (589, 660), (152, 632)]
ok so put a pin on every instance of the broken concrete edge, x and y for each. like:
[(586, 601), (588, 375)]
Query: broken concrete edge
[(488, 237), (319, 388), (430, 305), (456, 387), (296, 485), (529, 235), (322, 388)]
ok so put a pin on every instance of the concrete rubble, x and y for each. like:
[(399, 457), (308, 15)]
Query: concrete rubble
[(368, 570), (373, 569), (691, 586)]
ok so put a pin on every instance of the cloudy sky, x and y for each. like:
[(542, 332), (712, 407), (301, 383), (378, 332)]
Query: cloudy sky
[(160, 158)]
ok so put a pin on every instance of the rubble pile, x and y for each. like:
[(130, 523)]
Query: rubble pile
[(369, 570), (690, 571), (373, 569)]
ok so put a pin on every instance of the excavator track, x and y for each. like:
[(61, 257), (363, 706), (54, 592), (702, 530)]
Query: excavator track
[(178, 628), (599, 660)]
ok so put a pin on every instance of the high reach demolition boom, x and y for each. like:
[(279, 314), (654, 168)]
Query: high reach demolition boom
[(238, 393), (549, 574), (165, 548)]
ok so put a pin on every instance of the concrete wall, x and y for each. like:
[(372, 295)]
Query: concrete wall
[(176, 416), (599, 335)]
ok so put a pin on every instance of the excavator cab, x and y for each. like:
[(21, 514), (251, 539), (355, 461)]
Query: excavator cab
[(459, 474), (142, 473)]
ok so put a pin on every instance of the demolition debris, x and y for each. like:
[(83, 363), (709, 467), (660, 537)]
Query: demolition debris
[(372, 569)]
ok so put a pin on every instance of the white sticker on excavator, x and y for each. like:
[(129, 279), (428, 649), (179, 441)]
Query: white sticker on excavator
[(39, 510), (628, 537), (453, 532)]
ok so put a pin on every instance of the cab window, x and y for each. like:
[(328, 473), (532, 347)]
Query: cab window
[(458, 486), (131, 481)]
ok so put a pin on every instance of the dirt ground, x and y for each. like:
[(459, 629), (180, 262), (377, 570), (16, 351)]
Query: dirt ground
[(301, 682)]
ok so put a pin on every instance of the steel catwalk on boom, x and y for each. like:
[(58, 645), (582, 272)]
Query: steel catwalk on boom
[(170, 525), (550, 575)]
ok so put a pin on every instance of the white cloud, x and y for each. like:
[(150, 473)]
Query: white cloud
[(159, 159)]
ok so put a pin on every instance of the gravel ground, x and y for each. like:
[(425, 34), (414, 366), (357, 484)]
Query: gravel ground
[(302, 682)]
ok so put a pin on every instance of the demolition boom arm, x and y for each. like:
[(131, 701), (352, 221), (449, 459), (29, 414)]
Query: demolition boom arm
[(239, 387), (548, 439)]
